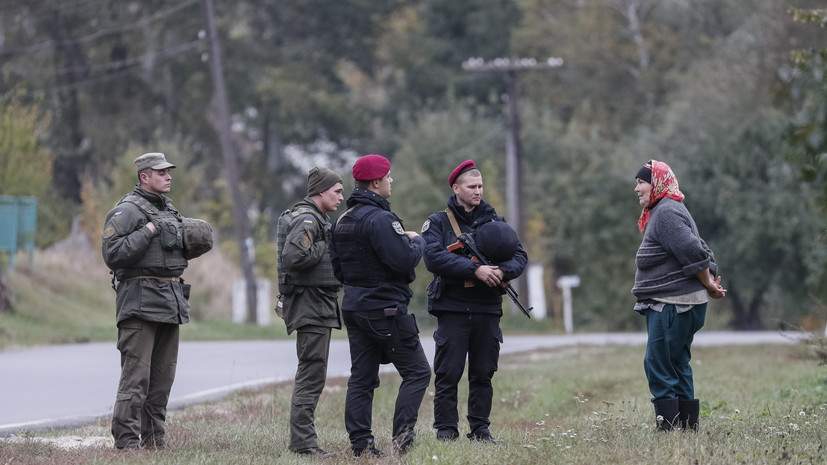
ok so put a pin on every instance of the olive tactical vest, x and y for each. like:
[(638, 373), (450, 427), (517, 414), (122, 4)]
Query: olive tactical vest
[(319, 275), (165, 250)]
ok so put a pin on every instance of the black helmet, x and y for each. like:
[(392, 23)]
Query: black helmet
[(497, 240)]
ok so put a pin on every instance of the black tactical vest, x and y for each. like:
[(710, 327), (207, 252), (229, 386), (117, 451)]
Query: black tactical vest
[(359, 264)]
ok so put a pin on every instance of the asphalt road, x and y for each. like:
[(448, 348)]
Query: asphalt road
[(62, 385)]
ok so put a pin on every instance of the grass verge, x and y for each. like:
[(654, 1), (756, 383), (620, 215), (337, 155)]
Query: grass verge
[(578, 405), (66, 297)]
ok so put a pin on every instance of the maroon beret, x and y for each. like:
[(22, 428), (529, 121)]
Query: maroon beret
[(467, 165), (371, 167)]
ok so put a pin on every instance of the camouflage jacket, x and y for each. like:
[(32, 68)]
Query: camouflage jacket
[(312, 295), (148, 268)]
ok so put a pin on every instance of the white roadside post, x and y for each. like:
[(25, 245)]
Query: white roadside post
[(566, 283), (263, 309), (536, 291)]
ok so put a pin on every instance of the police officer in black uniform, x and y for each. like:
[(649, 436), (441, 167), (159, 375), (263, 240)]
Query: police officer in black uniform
[(375, 257), (466, 298)]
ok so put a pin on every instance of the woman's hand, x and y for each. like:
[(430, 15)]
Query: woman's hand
[(712, 284), (714, 288)]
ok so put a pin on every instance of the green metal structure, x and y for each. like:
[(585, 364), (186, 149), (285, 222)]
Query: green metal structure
[(18, 223)]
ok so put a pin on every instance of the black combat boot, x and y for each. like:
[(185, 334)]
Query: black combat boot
[(368, 450), (666, 414), (688, 413)]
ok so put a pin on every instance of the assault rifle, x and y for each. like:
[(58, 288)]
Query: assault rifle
[(466, 241)]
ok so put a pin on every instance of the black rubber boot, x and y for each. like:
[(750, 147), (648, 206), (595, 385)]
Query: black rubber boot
[(666, 414), (689, 410)]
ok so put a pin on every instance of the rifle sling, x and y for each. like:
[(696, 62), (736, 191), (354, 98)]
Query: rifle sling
[(453, 220)]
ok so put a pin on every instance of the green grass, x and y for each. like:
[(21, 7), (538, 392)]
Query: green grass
[(64, 299), (579, 405), (55, 304)]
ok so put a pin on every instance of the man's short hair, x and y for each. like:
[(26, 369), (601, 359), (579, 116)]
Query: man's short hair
[(473, 172), (148, 172)]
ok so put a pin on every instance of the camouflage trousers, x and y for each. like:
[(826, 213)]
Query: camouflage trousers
[(149, 355)]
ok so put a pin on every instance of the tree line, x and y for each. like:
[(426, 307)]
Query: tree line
[(712, 87)]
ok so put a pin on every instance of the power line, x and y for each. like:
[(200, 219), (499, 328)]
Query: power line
[(101, 33)]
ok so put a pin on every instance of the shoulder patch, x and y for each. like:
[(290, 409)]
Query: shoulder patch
[(397, 226), (118, 212), (425, 226), (308, 220), (305, 241), (109, 231)]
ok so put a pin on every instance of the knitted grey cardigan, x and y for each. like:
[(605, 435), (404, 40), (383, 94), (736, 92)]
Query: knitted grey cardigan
[(671, 253)]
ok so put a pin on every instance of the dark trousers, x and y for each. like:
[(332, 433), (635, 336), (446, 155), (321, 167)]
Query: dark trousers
[(149, 355), (477, 336), (375, 339), (668, 351), (312, 349)]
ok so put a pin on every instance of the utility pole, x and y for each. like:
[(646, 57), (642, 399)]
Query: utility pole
[(241, 226), (511, 67)]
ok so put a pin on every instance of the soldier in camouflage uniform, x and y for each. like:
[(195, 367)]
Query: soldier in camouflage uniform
[(309, 299), (143, 243)]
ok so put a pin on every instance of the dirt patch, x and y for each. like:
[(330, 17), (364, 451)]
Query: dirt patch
[(66, 442), (338, 384)]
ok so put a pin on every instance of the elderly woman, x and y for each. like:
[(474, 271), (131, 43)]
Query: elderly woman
[(675, 278)]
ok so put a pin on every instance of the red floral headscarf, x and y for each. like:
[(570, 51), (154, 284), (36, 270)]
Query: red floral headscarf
[(664, 184)]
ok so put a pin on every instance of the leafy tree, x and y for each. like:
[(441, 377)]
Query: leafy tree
[(807, 81), (767, 245), (609, 82), (26, 164), (701, 119), (425, 44), (581, 220), (105, 70), (727, 151), (298, 74)]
